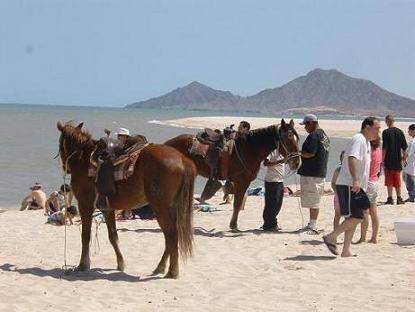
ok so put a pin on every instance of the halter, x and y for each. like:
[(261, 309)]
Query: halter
[(290, 155), (80, 150)]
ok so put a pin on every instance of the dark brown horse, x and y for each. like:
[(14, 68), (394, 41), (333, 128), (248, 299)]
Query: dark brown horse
[(163, 178), (249, 151)]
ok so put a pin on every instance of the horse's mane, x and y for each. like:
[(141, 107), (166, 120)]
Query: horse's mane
[(261, 137), (77, 137), (265, 137)]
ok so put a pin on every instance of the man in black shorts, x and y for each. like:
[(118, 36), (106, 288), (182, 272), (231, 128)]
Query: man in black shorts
[(351, 185)]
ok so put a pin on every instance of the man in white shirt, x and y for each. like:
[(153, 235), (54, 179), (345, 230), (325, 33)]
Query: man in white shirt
[(351, 185), (409, 168), (274, 190)]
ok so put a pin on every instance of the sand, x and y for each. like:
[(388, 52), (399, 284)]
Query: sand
[(333, 128), (246, 271)]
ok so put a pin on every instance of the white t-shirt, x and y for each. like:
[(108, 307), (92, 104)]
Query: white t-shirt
[(358, 148), (275, 173), (410, 167)]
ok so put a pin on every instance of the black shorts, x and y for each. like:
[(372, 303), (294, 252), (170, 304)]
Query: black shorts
[(352, 204)]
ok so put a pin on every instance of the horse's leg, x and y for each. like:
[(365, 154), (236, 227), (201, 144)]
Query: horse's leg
[(238, 203), (86, 218), (172, 243), (113, 237), (161, 267)]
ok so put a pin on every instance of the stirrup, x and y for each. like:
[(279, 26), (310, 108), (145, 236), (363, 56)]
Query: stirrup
[(102, 203)]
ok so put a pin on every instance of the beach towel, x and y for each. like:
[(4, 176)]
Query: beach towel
[(255, 191)]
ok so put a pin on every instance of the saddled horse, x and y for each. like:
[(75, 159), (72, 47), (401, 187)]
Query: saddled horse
[(249, 151), (162, 177)]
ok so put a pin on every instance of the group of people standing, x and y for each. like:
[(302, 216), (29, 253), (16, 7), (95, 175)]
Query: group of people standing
[(355, 181)]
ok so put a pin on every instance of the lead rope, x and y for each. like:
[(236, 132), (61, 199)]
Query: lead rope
[(298, 202), (66, 268)]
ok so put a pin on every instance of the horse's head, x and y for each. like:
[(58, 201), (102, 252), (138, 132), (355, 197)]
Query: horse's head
[(289, 144), (72, 142)]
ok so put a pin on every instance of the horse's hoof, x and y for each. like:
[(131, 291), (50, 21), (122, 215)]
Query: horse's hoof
[(233, 226), (81, 268), (121, 267), (159, 270), (171, 275)]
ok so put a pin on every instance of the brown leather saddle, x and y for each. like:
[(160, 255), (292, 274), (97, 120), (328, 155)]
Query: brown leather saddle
[(215, 147), (108, 155)]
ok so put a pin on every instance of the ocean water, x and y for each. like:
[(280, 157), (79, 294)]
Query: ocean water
[(29, 141)]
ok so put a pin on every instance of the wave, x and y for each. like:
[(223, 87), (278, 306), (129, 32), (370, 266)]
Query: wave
[(171, 124)]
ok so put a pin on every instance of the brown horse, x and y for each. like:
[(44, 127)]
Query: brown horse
[(163, 178), (249, 151)]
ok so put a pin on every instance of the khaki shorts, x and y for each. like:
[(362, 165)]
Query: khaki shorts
[(312, 189), (372, 192)]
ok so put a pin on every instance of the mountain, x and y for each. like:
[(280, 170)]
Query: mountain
[(193, 96), (320, 91)]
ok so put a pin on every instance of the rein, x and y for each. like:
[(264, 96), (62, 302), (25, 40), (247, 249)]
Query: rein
[(67, 268)]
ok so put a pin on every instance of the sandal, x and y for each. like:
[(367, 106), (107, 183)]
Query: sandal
[(331, 247)]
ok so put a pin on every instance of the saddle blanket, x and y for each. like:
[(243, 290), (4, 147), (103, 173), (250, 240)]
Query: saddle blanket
[(198, 148), (123, 170)]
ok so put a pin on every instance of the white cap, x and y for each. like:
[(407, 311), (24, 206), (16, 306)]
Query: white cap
[(123, 131), (309, 118)]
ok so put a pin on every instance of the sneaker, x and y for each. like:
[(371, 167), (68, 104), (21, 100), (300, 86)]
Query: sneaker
[(275, 228), (389, 201), (399, 201), (409, 200), (309, 230)]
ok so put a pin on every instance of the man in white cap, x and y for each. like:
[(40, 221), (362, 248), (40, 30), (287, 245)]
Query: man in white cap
[(314, 156), (122, 135)]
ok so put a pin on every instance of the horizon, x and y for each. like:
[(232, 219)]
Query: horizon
[(88, 53)]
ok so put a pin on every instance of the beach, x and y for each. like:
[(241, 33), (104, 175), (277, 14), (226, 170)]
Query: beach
[(248, 270), (334, 128)]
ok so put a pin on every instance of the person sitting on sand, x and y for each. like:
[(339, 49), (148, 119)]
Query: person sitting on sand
[(55, 203), (36, 199)]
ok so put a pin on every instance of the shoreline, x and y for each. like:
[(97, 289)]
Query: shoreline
[(338, 128)]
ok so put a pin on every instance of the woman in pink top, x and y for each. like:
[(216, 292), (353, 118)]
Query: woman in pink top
[(372, 193)]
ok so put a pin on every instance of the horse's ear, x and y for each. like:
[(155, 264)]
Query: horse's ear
[(79, 127), (60, 126), (292, 123), (283, 123)]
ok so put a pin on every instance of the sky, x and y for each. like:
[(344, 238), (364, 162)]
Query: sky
[(113, 53)]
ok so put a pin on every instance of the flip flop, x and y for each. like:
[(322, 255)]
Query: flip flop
[(331, 247)]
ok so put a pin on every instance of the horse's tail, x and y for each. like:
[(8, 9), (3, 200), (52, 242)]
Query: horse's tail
[(184, 209)]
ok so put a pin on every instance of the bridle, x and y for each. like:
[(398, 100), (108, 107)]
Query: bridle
[(66, 161), (290, 155)]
